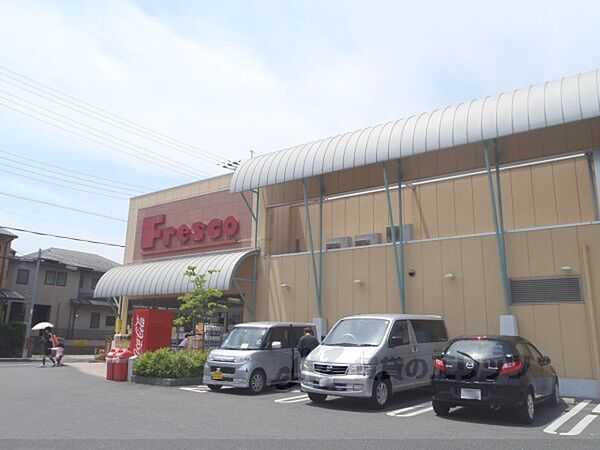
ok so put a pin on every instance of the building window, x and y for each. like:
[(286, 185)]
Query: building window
[(23, 276), (95, 320), (109, 321), (61, 278), (50, 277), (80, 281), (95, 282)]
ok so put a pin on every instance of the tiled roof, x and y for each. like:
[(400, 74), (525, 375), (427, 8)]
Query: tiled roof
[(77, 259), (5, 232)]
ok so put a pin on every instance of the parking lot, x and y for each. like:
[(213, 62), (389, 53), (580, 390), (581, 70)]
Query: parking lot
[(69, 409)]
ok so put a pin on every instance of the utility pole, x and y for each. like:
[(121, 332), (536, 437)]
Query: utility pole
[(32, 303)]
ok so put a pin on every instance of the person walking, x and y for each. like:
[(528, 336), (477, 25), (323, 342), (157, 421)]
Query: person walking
[(60, 352), (306, 344), (47, 348)]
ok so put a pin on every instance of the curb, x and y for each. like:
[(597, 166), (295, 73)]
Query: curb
[(165, 381)]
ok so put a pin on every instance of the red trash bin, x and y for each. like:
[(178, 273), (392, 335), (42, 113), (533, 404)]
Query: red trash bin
[(121, 364), (110, 363)]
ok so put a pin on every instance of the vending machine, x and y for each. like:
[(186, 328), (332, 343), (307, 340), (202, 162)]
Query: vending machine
[(150, 330)]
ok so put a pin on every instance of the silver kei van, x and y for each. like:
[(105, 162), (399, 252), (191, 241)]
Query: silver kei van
[(374, 355), (255, 355)]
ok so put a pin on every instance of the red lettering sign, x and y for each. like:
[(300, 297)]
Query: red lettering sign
[(213, 232)]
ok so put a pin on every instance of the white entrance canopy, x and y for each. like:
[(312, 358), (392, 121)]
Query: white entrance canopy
[(545, 105), (167, 276)]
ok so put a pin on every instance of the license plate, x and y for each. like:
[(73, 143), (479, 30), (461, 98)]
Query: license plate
[(326, 382), (470, 394), (216, 375)]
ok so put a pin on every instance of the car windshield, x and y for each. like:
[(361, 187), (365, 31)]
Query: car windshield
[(245, 338), (357, 333), (478, 349)]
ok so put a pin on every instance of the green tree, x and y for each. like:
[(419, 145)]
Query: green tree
[(201, 304)]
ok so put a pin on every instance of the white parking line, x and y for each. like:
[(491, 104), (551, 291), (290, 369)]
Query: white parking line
[(403, 411), (296, 399), (582, 425), (596, 410), (551, 429), (198, 389)]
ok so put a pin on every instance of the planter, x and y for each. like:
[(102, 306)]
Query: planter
[(166, 381)]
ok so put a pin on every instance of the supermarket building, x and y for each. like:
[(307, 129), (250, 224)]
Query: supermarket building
[(499, 219)]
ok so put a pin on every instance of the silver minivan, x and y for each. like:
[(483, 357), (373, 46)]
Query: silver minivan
[(255, 355), (374, 355)]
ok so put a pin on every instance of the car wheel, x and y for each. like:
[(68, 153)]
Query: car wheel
[(527, 411), (381, 394), (214, 387), (554, 399), (317, 398), (440, 408), (257, 381)]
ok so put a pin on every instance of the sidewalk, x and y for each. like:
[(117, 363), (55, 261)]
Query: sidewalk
[(88, 368), (66, 359)]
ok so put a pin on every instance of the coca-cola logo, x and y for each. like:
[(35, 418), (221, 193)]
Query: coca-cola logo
[(139, 329)]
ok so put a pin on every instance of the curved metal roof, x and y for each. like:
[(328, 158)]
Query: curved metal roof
[(167, 276), (552, 103)]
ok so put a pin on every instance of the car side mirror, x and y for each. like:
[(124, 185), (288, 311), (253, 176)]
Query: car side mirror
[(275, 345), (396, 341), (547, 360)]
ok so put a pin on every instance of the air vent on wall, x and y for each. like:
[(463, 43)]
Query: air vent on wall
[(340, 242), (407, 232), (367, 239), (546, 290)]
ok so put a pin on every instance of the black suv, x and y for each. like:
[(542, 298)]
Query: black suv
[(494, 371)]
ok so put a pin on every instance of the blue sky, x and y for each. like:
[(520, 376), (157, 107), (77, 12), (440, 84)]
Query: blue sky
[(231, 76)]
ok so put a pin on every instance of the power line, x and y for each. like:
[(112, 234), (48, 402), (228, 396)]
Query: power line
[(174, 164), (62, 206), (62, 185), (146, 189), (100, 142), (217, 159), (66, 181), (62, 237)]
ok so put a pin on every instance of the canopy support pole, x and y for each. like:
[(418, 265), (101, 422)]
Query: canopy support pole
[(316, 276), (254, 213), (498, 216), (399, 264)]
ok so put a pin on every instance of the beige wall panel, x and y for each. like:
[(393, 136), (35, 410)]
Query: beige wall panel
[(463, 202), (555, 140), (482, 208), (575, 341), (446, 161), (565, 183), (548, 333), (432, 278), (413, 260), (302, 227), (352, 216), (314, 221), (509, 148), (565, 247), (362, 272), (584, 190), (412, 211), (531, 145), (428, 165), (347, 180), (517, 255), (494, 297), (579, 135), (332, 182), (360, 177), (454, 307), (473, 286), (366, 207), (525, 321), (590, 236), (278, 221), (380, 215), (290, 191), (446, 210), (523, 209), (375, 175), (393, 297), (466, 157), (595, 130), (428, 201), (327, 220), (330, 287), (300, 287), (288, 266), (507, 200), (275, 291), (541, 257), (410, 168), (377, 280), (338, 218), (544, 199), (345, 284)]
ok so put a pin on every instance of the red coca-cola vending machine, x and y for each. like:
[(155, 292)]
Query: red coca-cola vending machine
[(150, 330)]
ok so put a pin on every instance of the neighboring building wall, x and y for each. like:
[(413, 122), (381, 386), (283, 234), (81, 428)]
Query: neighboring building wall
[(5, 255)]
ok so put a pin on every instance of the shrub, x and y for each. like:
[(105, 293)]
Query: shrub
[(12, 335), (164, 363)]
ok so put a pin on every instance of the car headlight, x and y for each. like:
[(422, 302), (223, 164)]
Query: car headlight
[(211, 357), (308, 365), (242, 358), (361, 369)]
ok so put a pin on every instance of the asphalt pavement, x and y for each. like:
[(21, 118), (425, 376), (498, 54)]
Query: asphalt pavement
[(67, 408)]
